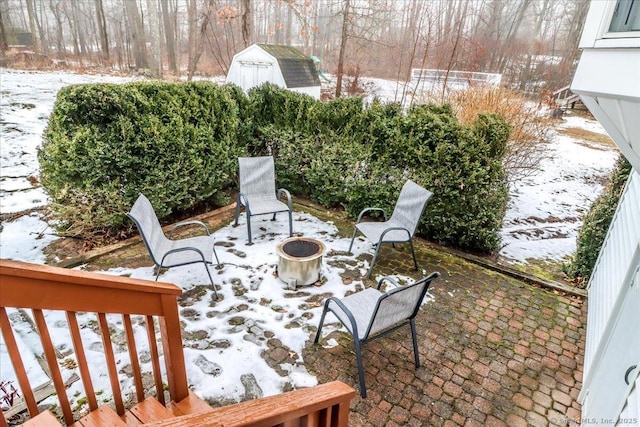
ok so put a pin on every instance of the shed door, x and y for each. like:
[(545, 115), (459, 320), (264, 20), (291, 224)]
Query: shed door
[(255, 73), (618, 369)]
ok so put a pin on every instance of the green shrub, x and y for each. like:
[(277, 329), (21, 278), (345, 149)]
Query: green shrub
[(179, 143), (596, 225), (105, 143)]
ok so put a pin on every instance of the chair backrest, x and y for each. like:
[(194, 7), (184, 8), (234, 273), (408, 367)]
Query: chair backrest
[(410, 206), (257, 176), (399, 305), (146, 220)]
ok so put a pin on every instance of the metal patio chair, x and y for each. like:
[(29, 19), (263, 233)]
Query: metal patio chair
[(371, 313), (402, 225), (258, 191), (167, 253)]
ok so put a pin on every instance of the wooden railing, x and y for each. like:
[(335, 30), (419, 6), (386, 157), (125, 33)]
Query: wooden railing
[(39, 287), (324, 405)]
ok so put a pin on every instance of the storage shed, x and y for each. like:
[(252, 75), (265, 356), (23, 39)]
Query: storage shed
[(284, 66)]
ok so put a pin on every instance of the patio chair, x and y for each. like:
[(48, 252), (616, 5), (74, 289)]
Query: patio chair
[(402, 225), (167, 253), (258, 191), (371, 313)]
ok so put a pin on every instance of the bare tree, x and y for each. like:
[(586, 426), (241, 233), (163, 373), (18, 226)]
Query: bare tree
[(170, 35), (136, 34), (343, 46), (247, 33), (102, 29), (4, 44), (32, 26), (154, 39), (196, 39)]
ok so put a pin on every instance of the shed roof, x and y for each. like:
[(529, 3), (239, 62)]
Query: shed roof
[(297, 69)]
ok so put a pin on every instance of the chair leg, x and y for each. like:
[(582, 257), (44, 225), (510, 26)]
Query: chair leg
[(317, 338), (363, 387), (416, 356), (159, 271), (375, 256), (249, 227), (355, 230), (235, 224), (415, 262), (206, 266), (290, 224)]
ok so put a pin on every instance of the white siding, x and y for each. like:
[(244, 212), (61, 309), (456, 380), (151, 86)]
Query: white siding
[(616, 263)]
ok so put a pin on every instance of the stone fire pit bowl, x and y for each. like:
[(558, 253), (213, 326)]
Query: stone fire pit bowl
[(300, 261)]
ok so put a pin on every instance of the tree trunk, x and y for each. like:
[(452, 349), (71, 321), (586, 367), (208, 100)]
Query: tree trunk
[(55, 9), (137, 34), (155, 64), (4, 45), (169, 37), (82, 40), (198, 39), (246, 22), (102, 29), (32, 26), (343, 47)]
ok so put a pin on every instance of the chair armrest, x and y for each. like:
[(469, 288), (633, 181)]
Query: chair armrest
[(345, 310), (185, 223), (388, 279), (394, 229), (365, 210), (284, 191), (244, 201)]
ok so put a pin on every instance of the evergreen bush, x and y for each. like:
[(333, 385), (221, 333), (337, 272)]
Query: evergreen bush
[(179, 143), (105, 143), (596, 224)]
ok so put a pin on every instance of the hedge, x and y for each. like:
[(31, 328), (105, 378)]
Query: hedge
[(596, 224), (105, 143), (179, 142)]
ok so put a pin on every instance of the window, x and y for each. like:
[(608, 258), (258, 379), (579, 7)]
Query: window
[(626, 16)]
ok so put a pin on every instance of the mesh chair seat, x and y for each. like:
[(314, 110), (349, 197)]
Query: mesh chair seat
[(263, 205), (374, 232), (361, 305), (196, 245)]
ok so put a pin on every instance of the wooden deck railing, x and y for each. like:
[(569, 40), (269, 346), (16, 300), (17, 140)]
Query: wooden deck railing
[(325, 405), (39, 287)]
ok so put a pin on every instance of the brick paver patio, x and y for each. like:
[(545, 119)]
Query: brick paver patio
[(494, 352)]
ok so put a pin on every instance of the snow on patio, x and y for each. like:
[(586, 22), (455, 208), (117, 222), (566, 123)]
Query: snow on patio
[(225, 339)]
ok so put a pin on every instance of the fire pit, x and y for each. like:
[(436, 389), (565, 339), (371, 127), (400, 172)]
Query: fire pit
[(300, 260)]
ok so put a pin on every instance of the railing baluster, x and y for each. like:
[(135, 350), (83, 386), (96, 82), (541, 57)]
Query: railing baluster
[(153, 348), (111, 363), (16, 361), (133, 355), (52, 362), (172, 346), (81, 358)]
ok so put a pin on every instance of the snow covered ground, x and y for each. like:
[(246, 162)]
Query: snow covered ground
[(541, 223)]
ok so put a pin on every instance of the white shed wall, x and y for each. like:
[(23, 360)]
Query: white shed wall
[(253, 67)]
